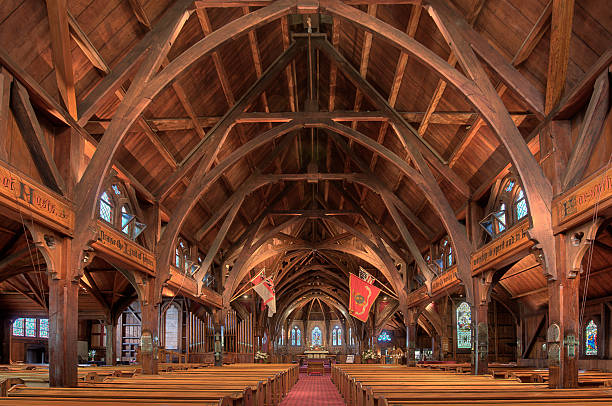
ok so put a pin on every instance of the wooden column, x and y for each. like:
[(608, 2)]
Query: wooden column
[(63, 318), (437, 344), (480, 322), (111, 343), (5, 334), (410, 319), (150, 325), (218, 319), (563, 311)]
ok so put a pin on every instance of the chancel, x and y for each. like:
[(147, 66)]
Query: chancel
[(305, 202)]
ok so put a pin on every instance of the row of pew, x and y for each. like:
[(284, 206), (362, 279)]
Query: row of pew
[(383, 385), (231, 385), (591, 378)]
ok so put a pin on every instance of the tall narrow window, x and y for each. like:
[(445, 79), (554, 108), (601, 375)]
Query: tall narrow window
[(521, 205), (350, 336), (106, 208), (316, 336), (295, 336), (464, 326), (43, 328), (30, 327), (501, 218), (591, 338), (337, 336)]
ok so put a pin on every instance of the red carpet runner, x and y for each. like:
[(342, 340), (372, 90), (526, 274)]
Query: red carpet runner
[(313, 391)]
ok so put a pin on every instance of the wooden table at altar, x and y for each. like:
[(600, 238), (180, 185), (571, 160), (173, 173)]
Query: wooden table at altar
[(317, 354)]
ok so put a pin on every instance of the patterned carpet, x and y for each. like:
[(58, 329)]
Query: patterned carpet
[(313, 391)]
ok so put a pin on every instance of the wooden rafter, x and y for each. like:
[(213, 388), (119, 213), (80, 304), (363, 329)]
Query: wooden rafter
[(6, 80), (140, 13), (558, 57), (57, 12), (35, 138)]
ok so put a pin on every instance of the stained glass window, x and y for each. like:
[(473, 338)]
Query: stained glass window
[(591, 338), (316, 336), (337, 336), (464, 326), (106, 208), (384, 337), (177, 258), (43, 328), (296, 339), (521, 205), (509, 186), (449, 258), (30, 327), (18, 326)]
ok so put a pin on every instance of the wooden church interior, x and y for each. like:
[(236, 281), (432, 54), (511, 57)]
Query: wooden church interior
[(157, 157)]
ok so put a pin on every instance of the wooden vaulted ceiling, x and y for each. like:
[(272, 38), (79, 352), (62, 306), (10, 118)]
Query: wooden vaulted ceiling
[(103, 31)]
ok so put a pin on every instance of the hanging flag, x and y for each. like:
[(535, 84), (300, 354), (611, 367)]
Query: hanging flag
[(363, 274), (265, 289), (363, 295)]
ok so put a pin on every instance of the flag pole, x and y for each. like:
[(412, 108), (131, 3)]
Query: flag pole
[(250, 281)]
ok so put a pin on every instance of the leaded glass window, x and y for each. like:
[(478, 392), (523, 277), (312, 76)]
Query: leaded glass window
[(18, 326), (591, 338), (106, 208), (501, 217), (521, 205), (30, 327), (316, 336), (464, 326), (384, 337), (337, 336), (43, 328), (295, 336)]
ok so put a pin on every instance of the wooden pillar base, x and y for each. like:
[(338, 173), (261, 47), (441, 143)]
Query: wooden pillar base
[(149, 339), (63, 327), (480, 358), (411, 344), (110, 344), (564, 330)]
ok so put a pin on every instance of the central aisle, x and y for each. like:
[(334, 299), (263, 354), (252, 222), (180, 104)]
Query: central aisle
[(313, 391)]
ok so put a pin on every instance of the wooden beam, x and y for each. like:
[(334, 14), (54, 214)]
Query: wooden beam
[(262, 3), (5, 114), (57, 12), (120, 72), (535, 35), (407, 134), (590, 132), (558, 57), (35, 138), (140, 14), (83, 42), (208, 147)]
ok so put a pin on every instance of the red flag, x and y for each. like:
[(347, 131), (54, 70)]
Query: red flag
[(265, 288), (363, 295)]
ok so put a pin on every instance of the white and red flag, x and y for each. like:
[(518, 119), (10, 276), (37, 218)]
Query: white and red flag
[(265, 289)]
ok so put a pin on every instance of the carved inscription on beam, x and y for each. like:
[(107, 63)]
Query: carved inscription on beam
[(120, 247), (22, 194)]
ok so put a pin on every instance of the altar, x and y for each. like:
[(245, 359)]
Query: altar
[(316, 354)]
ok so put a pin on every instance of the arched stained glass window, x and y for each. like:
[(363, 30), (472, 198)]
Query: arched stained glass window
[(106, 208), (591, 338), (521, 205), (337, 336), (316, 336), (464, 326)]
